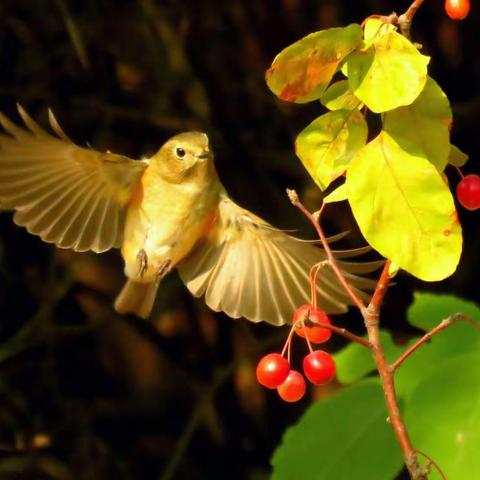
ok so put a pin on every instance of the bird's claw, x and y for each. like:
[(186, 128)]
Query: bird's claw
[(142, 261)]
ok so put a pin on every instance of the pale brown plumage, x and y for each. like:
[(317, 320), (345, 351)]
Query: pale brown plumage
[(167, 211)]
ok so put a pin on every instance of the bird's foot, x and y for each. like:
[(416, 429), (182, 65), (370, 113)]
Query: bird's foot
[(142, 261), (164, 268)]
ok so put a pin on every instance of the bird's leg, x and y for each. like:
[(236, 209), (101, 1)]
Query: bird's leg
[(142, 261), (164, 268)]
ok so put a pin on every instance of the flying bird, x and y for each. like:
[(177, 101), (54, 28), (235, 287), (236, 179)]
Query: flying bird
[(164, 212)]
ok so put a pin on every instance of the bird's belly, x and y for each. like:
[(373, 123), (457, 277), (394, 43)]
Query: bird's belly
[(154, 239)]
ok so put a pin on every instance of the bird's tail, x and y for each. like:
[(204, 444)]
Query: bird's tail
[(137, 298)]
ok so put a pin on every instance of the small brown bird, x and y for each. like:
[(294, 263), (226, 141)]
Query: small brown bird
[(168, 211)]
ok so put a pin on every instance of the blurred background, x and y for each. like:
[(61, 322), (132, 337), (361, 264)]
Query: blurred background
[(87, 394)]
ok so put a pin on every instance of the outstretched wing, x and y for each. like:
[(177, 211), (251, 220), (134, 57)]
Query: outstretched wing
[(68, 195), (247, 268)]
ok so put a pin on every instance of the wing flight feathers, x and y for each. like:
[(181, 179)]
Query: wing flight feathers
[(72, 196), (247, 268)]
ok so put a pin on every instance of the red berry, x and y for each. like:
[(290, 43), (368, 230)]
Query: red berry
[(272, 370), (468, 192), (293, 388), (319, 367), (315, 315), (457, 9)]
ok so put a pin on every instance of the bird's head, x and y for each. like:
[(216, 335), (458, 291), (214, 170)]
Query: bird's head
[(183, 157)]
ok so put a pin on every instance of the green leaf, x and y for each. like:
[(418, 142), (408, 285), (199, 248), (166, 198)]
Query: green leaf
[(424, 125), (339, 96), (456, 157), (355, 361), (327, 145), (444, 419), (302, 72), (404, 209), (337, 436), (388, 74), (427, 311), (338, 195)]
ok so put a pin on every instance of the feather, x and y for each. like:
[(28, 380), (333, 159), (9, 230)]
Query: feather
[(68, 195), (247, 268), (137, 298)]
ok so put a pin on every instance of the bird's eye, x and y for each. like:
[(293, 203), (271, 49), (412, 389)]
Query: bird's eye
[(180, 152)]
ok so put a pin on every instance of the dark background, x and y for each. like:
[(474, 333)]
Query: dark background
[(86, 394)]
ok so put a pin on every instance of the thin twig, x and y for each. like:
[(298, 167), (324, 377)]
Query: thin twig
[(313, 217), (441, 326), (292, 195), (304, 321), (345, 333), (432, 462)]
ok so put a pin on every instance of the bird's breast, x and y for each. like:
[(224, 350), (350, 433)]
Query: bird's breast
[(164, 221)]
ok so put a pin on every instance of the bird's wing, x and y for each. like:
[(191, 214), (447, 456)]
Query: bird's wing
[(68, 195), (247, 268)]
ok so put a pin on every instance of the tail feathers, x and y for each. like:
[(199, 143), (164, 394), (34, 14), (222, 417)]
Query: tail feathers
[(137, 298)]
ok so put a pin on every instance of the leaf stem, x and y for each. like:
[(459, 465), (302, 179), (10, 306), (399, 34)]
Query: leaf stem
[(441, 326)]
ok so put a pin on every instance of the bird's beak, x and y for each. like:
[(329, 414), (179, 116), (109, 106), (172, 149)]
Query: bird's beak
[(205, 154)]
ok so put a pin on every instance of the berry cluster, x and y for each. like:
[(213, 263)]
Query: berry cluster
[(273, 370)]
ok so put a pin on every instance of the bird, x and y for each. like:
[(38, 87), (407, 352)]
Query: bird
[(169, 211)]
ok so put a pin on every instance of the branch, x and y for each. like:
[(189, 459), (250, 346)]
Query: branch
[(380, 290), (441, 326), (405, 20), (292, 195), (371, 317)]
